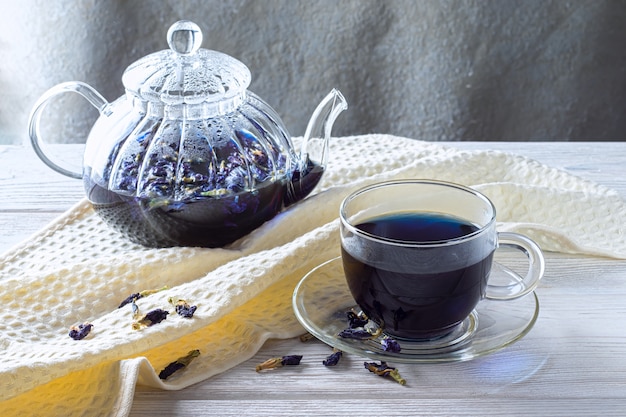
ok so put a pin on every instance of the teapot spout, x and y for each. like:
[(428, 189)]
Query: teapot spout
[(317, 135), (314, 151)]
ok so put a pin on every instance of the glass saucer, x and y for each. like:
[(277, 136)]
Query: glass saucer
[(322, 299)]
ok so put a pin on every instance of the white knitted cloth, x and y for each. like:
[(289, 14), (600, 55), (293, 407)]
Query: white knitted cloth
[(77, 270)]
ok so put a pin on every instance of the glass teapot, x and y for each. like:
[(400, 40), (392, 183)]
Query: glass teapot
[(188, 156)]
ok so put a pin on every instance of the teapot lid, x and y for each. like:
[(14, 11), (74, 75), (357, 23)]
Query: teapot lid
[(186, 73)]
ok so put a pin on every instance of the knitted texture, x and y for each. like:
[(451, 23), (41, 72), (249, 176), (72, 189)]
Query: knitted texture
[(77, 270)]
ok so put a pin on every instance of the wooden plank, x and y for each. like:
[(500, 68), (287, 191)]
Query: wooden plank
[(572, 363)]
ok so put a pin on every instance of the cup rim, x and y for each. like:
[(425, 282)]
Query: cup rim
[(411, 243)]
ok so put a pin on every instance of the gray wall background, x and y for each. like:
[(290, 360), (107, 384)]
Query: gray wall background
[(425, 69)]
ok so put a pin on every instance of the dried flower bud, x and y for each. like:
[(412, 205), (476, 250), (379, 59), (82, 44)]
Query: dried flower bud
[(291, 360), (274, 363), (390, 345), (178, 364), (359, 334), (151, 318), (186, 310), (130, 299), (271, 363), (136, 296), (81, 331), (383, 369), (182, 307), (170, 369), (357, 320), (156, 316), (333, 358)]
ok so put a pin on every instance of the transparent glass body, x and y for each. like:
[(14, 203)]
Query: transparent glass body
[(188, 156)]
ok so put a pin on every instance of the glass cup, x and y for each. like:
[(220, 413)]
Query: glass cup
[(417, 255)]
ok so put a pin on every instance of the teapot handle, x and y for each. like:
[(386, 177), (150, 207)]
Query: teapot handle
[(85, 90)]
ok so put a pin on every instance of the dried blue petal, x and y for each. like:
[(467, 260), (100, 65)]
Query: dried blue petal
[(156, 316), (170, 369), (151, 318), (359, 334), (182, 307), (390, 345), (377, 368), (274, 363), (291, 360), (236, 179), (333, 359), (81, 331), (384, 370), (178, 364), (356, 320), (130, 299), (185, 310)]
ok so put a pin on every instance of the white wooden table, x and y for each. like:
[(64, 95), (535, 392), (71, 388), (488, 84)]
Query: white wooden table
[(573, 362)]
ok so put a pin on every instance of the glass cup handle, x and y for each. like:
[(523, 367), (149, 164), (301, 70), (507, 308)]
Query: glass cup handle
[(517, 286), (85, 90)]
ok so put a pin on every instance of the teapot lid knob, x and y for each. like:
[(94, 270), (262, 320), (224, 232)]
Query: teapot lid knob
[(184, 37), (188, 74)]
